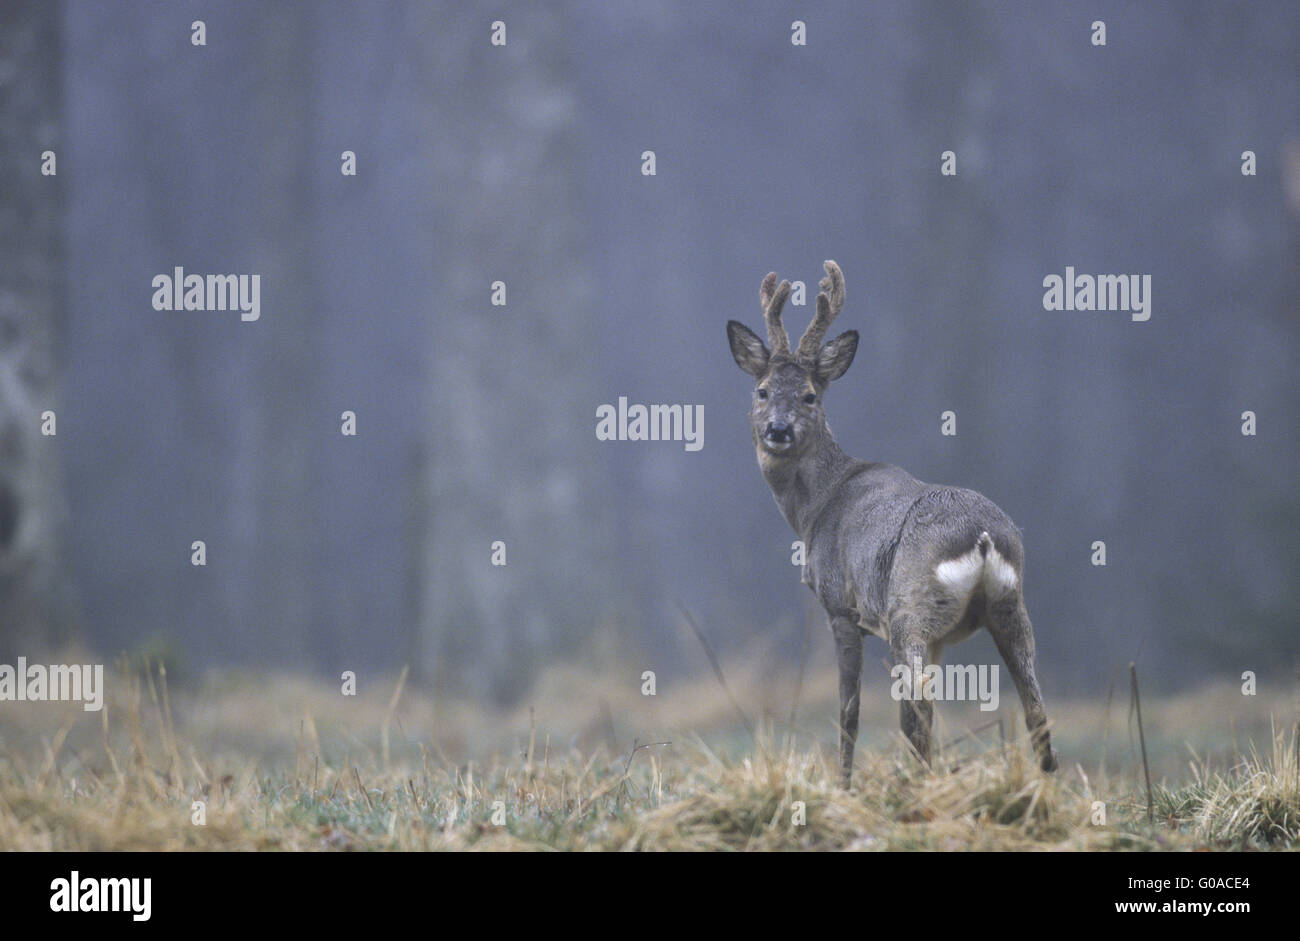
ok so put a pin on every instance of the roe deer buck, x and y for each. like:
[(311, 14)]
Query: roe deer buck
[(918, 565)]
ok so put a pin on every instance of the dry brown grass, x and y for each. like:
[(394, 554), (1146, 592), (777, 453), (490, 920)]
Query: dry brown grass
[(282, 763)]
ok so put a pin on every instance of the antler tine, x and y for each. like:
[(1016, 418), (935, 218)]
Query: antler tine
[(772, 296), (829, 304)]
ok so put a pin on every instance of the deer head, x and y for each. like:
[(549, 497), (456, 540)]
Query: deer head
[(787, 417)]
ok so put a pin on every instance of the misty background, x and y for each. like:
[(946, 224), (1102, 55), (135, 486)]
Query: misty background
[(476, 423)]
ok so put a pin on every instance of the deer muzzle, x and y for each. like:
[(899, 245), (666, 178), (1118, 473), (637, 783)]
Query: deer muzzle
[(778, 435)]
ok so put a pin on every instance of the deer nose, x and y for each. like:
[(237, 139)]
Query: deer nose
[(779, 431)]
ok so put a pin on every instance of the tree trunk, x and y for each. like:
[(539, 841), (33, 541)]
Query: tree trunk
[(35, 598)]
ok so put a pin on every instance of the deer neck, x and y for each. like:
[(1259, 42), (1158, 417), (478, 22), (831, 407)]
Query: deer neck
[(804, 483)]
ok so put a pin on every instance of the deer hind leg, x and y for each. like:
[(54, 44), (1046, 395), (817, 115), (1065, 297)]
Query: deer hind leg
[(909, 646), (848, 649), (1008, 622)]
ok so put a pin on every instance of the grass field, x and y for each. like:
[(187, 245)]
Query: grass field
[(281, 763)]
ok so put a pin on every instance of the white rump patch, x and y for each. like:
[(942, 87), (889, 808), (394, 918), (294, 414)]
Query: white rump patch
[(999, 576), (963, 573)]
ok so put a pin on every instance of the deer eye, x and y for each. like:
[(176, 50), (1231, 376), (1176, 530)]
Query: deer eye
[(762, 393), (810, 398)]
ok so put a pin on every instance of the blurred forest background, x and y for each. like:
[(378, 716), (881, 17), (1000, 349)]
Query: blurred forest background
[(522, 163)]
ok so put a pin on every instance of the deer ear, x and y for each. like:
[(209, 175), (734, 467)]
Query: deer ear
[(750, 353), (836, 357)]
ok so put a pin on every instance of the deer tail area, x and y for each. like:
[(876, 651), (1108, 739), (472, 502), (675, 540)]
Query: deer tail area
[(982, 564)]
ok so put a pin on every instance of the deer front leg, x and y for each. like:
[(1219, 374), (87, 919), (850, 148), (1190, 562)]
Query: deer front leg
[(848, 648)]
